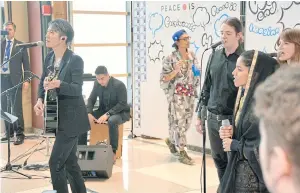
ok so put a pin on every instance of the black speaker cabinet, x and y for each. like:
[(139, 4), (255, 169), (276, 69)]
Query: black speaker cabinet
[(95, 160)]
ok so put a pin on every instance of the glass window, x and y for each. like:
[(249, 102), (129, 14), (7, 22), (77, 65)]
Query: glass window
[(99, 5), (97, 28), (87, 89), (113, 57)]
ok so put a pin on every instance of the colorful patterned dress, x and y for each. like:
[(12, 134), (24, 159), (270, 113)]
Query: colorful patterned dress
[(181, 93)]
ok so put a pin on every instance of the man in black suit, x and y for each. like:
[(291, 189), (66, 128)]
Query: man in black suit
[(113, 106), (72, 114), (11, 75)]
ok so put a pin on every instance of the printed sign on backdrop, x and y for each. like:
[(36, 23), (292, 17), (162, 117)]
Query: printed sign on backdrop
[(265, 20), (202, 21)]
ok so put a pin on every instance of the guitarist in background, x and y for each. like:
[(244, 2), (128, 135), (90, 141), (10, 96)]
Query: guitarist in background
[(72, 115)]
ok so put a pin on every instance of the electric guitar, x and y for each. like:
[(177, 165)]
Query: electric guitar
[(51, 106)]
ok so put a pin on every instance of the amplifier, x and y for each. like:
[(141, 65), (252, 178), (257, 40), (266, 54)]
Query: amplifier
[(95, 160)]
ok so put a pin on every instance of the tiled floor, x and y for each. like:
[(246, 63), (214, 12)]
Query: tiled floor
[(146, 167)]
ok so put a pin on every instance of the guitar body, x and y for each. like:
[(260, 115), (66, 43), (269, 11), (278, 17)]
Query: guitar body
[(51, 108), (50, 115)]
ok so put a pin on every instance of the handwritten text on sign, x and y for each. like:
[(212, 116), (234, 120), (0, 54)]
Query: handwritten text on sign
[(264, 31)]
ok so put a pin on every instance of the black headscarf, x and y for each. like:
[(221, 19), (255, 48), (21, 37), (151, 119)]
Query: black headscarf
[(245, 124)]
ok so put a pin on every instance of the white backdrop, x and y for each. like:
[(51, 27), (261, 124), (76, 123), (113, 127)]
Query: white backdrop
[(202, 22), (266, 19)]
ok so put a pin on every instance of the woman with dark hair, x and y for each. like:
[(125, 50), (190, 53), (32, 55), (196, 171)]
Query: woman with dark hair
[(289, 47), (179, 82), (243, 173)]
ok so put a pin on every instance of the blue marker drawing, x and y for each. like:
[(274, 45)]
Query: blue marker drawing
[(218, 22), (159, 21), (195, 46), (264, 31)]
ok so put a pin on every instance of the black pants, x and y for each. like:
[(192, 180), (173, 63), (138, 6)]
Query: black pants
[(15, 104), (63, 165), (217, 151), (113, 123)]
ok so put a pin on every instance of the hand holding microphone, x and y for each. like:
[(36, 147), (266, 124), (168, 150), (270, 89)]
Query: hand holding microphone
[(226, 133), (178, 65), (226, 129)]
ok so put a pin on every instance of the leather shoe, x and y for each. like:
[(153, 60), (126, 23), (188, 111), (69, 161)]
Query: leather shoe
[(5, 138), (19, 140)]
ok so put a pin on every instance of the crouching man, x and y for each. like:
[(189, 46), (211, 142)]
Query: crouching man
[(113, 108)]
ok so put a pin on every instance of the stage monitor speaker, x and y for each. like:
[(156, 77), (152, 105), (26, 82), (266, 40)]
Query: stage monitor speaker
[(95, 160)]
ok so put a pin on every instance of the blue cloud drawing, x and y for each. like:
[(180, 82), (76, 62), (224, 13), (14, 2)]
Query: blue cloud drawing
[(218, 22), (196, 47), (156, 22)]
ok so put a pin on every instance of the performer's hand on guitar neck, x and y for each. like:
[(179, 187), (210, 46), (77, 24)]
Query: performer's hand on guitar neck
[(51, 84), (39, 108), (46, 83)]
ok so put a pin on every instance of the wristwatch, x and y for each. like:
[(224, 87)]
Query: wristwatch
[(108, 114)]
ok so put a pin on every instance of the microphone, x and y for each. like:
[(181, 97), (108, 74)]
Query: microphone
[(4, 32), (29, 45), (216, 44), (33, 75), (225, 123)]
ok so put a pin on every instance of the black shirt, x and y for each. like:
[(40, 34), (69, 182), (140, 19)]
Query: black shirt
[(219, 90), (112, 98), (104, 98)]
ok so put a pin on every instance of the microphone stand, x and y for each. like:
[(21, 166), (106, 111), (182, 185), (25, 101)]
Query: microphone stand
[(204, 116), (8, 166)]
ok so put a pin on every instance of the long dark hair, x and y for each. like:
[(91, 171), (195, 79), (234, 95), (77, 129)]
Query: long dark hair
[(235, 23)]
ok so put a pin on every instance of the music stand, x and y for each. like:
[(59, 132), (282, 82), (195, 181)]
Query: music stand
[(8, 166)]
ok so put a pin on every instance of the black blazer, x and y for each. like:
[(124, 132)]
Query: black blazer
[(72, 114), (117, 98), (16, 63)]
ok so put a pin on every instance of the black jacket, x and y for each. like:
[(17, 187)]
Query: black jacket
[(16, 63), (72, 114), (117, 102)]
